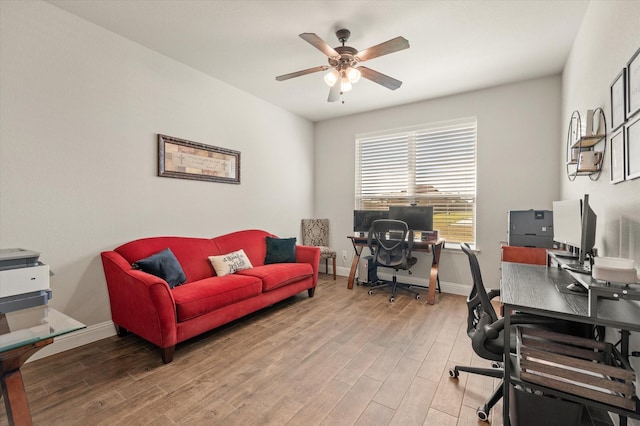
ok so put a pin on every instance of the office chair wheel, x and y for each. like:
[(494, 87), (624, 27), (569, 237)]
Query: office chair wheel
[(453, 372), (483, 413), (417, 297), (495, 364), (370, 292), (392, 299)]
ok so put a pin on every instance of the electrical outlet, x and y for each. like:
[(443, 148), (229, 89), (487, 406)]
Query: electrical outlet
[(344, 254)]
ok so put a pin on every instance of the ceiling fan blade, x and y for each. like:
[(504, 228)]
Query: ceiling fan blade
[(319, 44), (303, 72), (378, 77), (334, 92), (389, 46)]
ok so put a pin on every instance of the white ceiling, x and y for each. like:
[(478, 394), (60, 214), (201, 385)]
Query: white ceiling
[(456, 46)]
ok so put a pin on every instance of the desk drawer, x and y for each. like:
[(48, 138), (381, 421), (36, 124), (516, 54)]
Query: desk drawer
[(575, 365)]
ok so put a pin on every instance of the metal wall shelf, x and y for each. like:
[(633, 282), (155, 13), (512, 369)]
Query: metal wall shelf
[(580, 141)]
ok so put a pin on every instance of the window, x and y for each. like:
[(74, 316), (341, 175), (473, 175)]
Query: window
[(430, 165)]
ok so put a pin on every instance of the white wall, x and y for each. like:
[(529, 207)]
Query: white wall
[(518, 127), (608, 37), (80, 109)]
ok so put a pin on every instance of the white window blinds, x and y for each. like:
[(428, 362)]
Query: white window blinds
[(430, 165)]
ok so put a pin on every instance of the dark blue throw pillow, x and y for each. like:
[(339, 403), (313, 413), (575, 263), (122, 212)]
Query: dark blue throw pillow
[(164, 265), (280, 250)]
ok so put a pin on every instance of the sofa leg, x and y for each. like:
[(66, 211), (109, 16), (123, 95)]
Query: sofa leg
[(311, 291), (167, 354), (121, 331)]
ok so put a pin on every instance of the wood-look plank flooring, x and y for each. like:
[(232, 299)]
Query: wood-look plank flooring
[(342, 357)]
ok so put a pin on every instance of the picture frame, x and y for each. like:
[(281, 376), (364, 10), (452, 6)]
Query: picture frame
[(617, 157), (632, 149), (618, 103), (633, 84), (183, 159)]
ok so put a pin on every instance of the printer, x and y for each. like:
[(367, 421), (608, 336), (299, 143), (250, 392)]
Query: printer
[(24, 280)]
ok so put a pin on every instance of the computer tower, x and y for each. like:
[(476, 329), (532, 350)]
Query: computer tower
[(530, 228), (367, 271)]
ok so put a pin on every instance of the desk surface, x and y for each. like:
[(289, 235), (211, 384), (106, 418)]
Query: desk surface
[(32, 325), (533, 288), (418, 244)]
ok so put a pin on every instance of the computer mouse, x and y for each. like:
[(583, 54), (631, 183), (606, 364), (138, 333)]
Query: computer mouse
[(577, 288)]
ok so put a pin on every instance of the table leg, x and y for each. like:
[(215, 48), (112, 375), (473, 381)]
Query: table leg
[(15, 396), (354, 266), (433, 277)]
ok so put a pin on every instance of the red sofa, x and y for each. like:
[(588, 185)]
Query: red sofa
[(145, 304)]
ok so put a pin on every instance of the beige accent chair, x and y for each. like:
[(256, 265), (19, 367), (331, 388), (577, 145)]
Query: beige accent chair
[(315, 232)]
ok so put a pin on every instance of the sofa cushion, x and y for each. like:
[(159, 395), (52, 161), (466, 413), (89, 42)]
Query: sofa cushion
[(192, 253), (279, 274), (207, 295), (230, 263), (252, 241), (164, 265), (280, 250)]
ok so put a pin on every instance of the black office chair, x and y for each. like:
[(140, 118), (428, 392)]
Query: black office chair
[(486, 332), (390, 242)]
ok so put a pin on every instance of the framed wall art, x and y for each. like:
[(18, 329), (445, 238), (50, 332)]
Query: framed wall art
[(617, 157), (183, 159), (618, 104), (632, 145), (633, 84)]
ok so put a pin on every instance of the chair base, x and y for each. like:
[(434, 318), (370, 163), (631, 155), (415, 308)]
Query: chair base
[(483, 411), (395, 285)]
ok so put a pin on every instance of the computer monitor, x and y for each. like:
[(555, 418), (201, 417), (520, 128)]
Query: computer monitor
[(567, 223), (417, 218), (574, 224), (588, 237), (362, 219)]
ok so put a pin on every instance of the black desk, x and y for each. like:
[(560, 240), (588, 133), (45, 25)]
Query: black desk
[(428, 246), (532, 289)]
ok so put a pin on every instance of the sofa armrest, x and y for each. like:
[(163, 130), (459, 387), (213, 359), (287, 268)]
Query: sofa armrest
[(311, 255), (140, 302)]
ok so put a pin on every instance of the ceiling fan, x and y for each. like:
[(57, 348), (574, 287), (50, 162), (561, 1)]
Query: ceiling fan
[(343, 60)]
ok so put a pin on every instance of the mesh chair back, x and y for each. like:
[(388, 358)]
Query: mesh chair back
[(480, 309), (390, 243)]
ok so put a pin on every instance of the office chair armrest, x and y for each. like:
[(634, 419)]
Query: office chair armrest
[(493, 293), (492, 331)]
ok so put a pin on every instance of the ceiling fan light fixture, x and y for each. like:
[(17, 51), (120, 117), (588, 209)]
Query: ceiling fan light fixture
[(345, 85), (353, 74), (331, 77)]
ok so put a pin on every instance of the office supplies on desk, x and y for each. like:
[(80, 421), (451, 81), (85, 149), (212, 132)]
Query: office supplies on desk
[(615, 269)]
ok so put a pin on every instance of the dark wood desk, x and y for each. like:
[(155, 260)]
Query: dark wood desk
[(435, 246), (534, 289)]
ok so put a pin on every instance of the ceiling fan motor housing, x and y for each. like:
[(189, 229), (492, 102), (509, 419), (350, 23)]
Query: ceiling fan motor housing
[(346, 58), (343, 35)]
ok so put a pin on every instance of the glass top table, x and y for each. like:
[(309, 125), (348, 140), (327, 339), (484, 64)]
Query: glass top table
[(23, 333), (26, 326)]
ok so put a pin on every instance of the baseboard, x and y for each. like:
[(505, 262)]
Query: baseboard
[(82, 337)]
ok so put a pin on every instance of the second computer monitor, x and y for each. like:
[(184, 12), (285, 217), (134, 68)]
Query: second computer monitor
[(417, 218)]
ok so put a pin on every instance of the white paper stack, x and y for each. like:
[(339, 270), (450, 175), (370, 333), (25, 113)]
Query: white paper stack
[(614, 269)]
